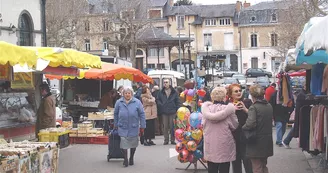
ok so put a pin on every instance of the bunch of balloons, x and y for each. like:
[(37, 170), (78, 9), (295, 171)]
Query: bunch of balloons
[(189, 134)]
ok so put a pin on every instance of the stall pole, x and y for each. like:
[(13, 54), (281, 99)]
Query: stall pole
[(99, 89)]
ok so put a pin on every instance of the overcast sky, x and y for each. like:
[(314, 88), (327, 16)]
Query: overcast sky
[(225, 1)]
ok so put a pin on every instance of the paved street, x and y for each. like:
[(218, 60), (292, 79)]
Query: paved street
[(156, 159)]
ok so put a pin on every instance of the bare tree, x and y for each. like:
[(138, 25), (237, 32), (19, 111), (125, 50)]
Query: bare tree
[(62, 18)]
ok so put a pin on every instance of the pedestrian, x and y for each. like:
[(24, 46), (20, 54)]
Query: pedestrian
[(168, 102), (159, 119), (150, 107), (241, 106), (46, 114), (246, 92), (259, 120), (108, 99), (129, 119), (281, 115), (120, 90), (139, 91), (269, 91), (219, 120)]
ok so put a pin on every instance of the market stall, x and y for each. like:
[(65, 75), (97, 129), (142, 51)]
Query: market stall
[(21, 70)]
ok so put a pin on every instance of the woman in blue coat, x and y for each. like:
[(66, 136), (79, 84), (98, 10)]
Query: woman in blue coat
[(129, 117)]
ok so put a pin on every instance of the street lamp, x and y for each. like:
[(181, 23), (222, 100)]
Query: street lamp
[(207, 59)]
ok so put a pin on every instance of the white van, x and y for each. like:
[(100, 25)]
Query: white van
[(176, 78)]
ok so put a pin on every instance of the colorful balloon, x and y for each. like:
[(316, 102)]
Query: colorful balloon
[(187, 135), (182, 112), (198, 154), (179, 147), (191, 92), (184, 154), (197, 134), (179, 134), (182, 160), (191, 158), (201, 93), (191, 146), (195, 119)]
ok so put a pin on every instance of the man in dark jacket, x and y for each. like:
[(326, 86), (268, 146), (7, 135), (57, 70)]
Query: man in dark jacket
[(168, 103), (139, 91), (281, 115)]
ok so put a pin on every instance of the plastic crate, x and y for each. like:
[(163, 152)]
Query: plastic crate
[(44, 137), (80, 140), (54, 137), (100, 140)]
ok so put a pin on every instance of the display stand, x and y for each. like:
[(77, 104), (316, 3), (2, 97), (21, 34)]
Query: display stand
[(195, 166)]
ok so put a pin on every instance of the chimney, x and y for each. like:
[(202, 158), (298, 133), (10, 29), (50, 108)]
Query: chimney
[(171, 3), (238, 6), (246, 4)]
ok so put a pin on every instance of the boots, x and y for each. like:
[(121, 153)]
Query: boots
[(132, 151), (125, 154)]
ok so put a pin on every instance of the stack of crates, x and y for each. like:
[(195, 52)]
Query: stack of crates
[(52, 135), (83, 128)]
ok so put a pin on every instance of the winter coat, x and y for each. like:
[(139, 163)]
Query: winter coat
[(219, 121), (46, 114), (150, 107), (129, 117), (106, 100), (268, 92), (280, 113), (260, 118), (168, 105)]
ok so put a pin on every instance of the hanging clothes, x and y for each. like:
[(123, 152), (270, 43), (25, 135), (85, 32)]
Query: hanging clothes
[(324, 87), (317, 78)]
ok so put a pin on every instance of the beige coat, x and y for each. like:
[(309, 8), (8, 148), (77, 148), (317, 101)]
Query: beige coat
[(149, 105), (46, 115)]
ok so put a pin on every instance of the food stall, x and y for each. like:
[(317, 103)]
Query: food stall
[(21, 70)]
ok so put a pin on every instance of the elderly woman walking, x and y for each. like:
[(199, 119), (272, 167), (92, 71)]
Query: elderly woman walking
[(150, 107), (219, 120), (259, 120), (129, 117)]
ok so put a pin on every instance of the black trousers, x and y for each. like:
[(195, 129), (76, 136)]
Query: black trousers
[(218, 167), (241, 159)]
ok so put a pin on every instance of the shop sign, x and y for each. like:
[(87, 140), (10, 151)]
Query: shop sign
[(5, 72), (22, 81)]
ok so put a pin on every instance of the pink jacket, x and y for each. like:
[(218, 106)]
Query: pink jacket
[(218, 122)]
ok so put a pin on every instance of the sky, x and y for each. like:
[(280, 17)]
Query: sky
[(225, 1)]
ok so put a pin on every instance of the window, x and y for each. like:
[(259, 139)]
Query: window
[(210, 22), (273, 17), (87, 45), (253, 40), (151, 66), (87, 26), (162, 66), (106, 25), (155, 14), (25, 30), (154, 52), (253, 19), (105, 44), (225, 22), (207, 39), (180, 22), (274, 39)]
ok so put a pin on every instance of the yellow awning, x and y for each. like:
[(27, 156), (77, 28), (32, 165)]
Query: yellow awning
[(67, 57), (13, 54)]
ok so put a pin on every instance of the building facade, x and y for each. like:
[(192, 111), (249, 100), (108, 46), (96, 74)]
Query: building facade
[(20, 22), (258, 26)]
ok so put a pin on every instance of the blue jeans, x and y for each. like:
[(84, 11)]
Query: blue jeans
[(280, 129), (289, 137)]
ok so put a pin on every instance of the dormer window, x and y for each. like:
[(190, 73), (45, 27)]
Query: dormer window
[(253, 19), (274, 17), (155, 14)]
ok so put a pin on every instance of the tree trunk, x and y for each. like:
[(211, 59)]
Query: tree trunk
[(133, 50)]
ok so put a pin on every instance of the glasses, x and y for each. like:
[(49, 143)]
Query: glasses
[(237, 91)]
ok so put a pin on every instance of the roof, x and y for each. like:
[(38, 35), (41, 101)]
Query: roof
[(204, 11), (158, 3), (262, 13), (153, 33), (99, 6)]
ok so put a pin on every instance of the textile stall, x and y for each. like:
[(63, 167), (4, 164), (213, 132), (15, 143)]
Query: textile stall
[(312, 105)]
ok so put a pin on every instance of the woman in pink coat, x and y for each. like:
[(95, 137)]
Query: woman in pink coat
[(219, 120)]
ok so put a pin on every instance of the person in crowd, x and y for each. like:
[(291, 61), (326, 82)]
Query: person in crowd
[(46, 114), (290, 135), (168, 102), (108, 99), (129, 119), (270, 91), (159, 119), (120, 90), (246, 92), (259, 119), (281, 115), (150, 107), (139, 91), (219, 120), (241, 106)]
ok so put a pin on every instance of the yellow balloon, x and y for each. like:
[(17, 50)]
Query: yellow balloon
[(182, 112), (197, 134)]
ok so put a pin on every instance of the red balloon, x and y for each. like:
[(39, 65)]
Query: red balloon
[(179, 147), (191, 158), (184, 154), (179, 134), (201, 92)]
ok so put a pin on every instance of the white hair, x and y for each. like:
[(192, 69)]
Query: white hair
[(128, 89)]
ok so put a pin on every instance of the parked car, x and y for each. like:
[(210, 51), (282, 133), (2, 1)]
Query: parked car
[(241, 78), (228, 81), (217, 73), (263, 81), (256, 72), (227, 72)]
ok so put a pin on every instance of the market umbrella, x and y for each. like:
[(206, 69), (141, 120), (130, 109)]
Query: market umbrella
[(67, 57), (13, 54), (109, 71)]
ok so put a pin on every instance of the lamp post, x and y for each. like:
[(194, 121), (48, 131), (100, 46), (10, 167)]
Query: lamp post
[(207, 59), (213, 76), (189, 53)]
